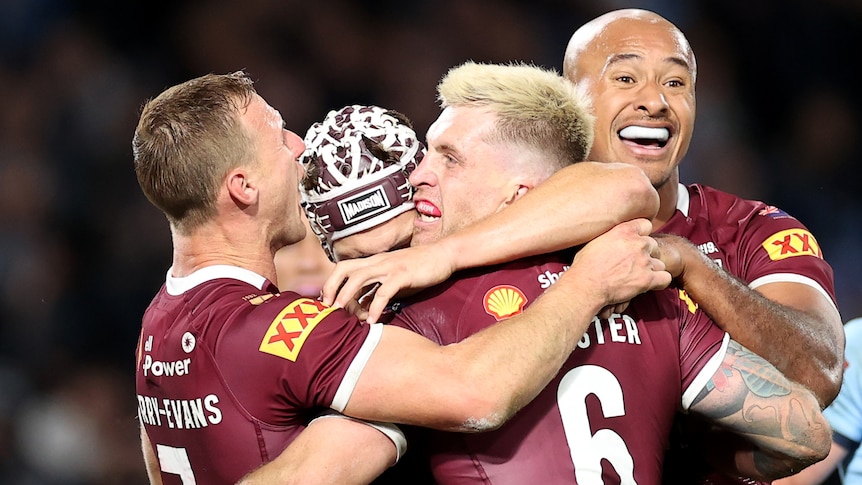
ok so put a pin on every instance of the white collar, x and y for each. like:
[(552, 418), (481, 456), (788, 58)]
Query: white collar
[(683, 200), (178, 286)]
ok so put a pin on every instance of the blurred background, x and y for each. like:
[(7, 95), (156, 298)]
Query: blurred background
[(82, 251)]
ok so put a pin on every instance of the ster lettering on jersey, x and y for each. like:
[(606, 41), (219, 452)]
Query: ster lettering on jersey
[(790, 243), (691, 304), (288, 332), (621, 329), (504, 301)]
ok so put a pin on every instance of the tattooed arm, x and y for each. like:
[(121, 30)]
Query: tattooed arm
[(779, 418)]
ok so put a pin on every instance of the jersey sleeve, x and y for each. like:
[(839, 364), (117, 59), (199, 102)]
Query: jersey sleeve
[(702, 348), (776, 247), (391, 431), (312, 352)]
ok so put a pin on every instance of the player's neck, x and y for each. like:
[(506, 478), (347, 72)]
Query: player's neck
[(208, 248), (668, 193)]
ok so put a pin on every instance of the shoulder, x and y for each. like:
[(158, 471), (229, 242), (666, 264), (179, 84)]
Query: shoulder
[(723, 204)]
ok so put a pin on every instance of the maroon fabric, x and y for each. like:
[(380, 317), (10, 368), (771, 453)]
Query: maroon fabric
[(617, 393), (735, 232), (225, 407)]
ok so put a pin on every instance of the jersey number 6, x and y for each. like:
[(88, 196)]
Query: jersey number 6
[(587, 449)]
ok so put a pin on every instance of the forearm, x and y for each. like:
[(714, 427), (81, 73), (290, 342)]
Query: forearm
[(572, 207), (736, 457), (781, 419), (479, 382), (818, 472), (795, 328), (330, 450), (475, 384)]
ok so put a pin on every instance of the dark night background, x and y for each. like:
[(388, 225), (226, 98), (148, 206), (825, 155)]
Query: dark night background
[(82, 251)]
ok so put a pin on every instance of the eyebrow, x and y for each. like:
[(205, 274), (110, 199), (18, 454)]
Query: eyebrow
[(617, 58), (451, 149)]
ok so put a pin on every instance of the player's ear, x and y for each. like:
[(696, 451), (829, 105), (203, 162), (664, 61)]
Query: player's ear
[(241, 187), (519, 192)]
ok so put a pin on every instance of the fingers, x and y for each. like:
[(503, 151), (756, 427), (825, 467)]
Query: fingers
[(333, 283), (609, 310), (351, 289), (642, 227), (606, 312), (384, 294), (355, 308), (621, 307)]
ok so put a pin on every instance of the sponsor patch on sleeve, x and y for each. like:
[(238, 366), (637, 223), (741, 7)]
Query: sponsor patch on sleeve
[(790, 243), (773, 212), (290, 329), (504, 301)]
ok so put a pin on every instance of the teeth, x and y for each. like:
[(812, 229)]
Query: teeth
[(645, 133), (427, 218)]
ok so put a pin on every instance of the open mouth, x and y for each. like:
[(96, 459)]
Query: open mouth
[(645, 136), (427, 211)]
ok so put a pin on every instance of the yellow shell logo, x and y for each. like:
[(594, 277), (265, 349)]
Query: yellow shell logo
[(504, 301)]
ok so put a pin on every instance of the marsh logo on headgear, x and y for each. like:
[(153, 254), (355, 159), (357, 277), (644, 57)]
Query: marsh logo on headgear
[(364, 205)]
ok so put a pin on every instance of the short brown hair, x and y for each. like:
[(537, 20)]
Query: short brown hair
[(186, 141)]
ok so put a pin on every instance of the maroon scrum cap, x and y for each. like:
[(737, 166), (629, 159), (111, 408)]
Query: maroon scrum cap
[(359, 158)]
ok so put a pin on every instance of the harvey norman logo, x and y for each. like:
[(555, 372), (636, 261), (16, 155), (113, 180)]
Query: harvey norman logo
[(364, 204)]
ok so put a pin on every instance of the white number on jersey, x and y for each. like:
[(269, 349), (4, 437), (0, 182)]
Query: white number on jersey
[(176, 462), (587, 449)]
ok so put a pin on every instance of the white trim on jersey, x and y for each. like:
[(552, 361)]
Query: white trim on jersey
[(705, 374), (791, 278), (345, 389), (178, 286), (391, 431), (683, 200)]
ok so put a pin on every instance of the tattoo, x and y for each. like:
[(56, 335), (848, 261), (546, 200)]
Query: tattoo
[(748, 396), (760, 376)]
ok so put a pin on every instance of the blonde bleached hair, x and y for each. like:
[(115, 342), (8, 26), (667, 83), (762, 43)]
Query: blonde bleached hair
[(535, 107)]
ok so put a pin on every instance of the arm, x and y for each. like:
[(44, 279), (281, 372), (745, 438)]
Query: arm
[(766, 319), (818, 472), (570, 208), (781, 419), (478, 383), (150, 460), (331, 450)]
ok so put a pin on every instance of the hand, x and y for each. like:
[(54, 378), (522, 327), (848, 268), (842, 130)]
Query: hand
[(395, 273), (671, 250), (619, 265)]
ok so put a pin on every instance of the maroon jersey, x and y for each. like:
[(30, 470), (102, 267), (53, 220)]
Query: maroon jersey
[(607, 415), (229, 371), (757, 243)]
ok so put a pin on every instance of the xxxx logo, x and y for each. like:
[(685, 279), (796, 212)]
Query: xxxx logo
[(791, 242), (287, 333)]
